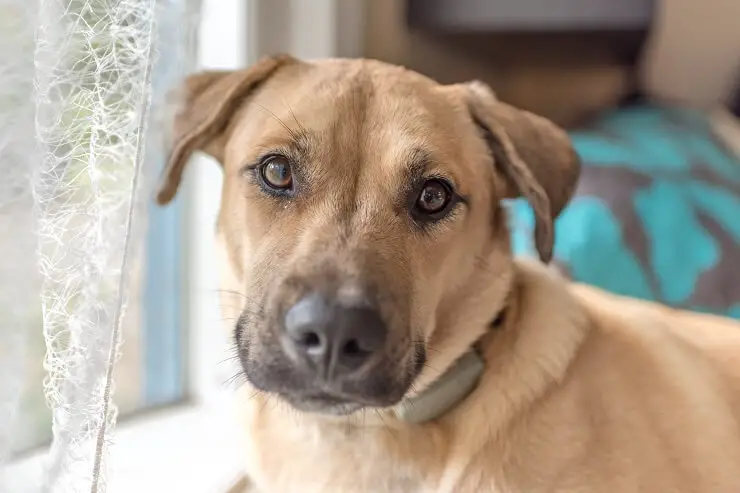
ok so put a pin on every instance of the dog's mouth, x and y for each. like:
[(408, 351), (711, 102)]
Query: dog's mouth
[(337, 403), (324, 403), (383, 387)]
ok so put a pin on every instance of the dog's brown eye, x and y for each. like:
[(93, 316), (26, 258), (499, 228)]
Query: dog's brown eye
[(434, 197), (276, 173)]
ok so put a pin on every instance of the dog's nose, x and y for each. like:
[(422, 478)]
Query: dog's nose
[(335, 340)]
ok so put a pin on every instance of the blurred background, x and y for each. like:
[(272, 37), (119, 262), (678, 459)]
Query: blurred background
[(648, 89)]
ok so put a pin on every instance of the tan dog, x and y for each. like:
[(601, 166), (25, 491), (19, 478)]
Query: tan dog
[(365, 251)]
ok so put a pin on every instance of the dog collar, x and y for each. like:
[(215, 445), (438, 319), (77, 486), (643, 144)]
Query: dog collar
[(444, 393), (450, 389)]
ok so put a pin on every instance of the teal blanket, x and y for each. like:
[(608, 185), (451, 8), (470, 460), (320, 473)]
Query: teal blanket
[(656, 214)]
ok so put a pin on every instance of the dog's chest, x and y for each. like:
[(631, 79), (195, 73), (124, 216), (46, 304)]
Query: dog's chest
[(284, 457)]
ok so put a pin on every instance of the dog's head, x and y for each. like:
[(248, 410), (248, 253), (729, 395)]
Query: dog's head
[(363, 234)]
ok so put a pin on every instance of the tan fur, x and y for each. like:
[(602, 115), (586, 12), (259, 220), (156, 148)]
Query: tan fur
[(583, 391)]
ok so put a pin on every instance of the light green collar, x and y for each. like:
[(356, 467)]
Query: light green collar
[(445, 393)]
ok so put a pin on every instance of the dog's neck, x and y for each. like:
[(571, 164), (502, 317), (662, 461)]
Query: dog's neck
[(445, 393), (449, 390), (522, 356)]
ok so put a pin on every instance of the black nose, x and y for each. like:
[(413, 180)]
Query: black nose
[(333, 339)]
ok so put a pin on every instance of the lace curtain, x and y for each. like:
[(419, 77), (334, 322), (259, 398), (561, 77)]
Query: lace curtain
[(85, 96)]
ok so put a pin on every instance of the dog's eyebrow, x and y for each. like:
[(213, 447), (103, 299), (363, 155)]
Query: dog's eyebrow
[(297, 135), (298, 142), (418, 163), (294, 146), (421, 163)]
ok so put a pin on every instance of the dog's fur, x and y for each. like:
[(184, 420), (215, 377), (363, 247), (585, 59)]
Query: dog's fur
[(583, 391)]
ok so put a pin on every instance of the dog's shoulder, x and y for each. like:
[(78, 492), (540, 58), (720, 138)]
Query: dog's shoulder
[(600, 334), (644, 379), (660, 330)]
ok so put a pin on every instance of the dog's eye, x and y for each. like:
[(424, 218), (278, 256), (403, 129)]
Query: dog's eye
[(434, 197), (276, 173)]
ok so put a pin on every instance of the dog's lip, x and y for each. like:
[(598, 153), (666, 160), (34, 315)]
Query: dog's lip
[(328, 398), (324, 403), (332, 399)]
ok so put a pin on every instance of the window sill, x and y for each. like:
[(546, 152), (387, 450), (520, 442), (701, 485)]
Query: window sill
[(182, 449)]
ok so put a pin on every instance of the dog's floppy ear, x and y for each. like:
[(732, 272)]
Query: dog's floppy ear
[(532, 154), (209, 101)]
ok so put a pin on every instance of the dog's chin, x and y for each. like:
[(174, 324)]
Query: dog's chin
[(323, 404), (331, 404)]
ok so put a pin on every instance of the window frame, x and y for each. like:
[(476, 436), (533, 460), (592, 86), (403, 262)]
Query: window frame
[(194, 430), (161, 319)]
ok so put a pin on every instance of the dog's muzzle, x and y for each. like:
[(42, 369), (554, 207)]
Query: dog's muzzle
[(330, 351)]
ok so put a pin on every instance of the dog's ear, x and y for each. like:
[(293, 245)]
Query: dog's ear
[(533, 155), (209, 100)]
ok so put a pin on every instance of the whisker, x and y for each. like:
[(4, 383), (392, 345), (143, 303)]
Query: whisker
[(380, 415), (268, 398), (231, 291), (292, 132), (230, 359), (253, 394), (240, 378), (297, 122)]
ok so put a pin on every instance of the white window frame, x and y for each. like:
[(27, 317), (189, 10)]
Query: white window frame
[(195, 447)]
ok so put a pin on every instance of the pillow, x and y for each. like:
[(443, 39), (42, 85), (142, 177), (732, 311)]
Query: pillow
[(656, 214), (692, 54), (735, 104), (726, 126)]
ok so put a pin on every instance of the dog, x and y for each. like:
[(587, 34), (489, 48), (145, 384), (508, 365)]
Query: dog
[(389, 339)]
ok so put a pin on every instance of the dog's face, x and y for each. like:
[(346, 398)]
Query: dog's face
[(361, 222)]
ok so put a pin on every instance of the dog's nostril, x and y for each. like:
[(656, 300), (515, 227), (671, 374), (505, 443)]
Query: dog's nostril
[(352, 348), (310, 340)]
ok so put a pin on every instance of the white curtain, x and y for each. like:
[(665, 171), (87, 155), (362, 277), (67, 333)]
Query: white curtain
[(85, 94)]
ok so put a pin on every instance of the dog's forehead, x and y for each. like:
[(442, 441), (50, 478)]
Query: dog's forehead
[(364, 94), (359, 112)]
